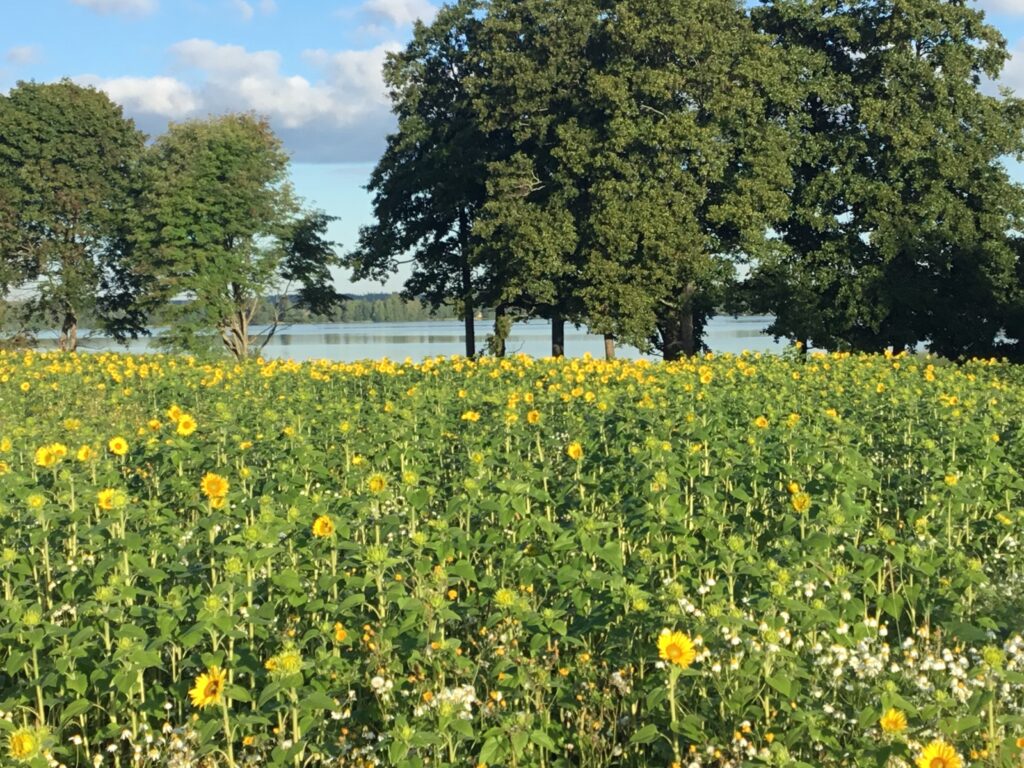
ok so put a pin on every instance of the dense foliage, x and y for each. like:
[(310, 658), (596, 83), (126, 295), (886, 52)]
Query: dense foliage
[(462, 562), (611, 163)]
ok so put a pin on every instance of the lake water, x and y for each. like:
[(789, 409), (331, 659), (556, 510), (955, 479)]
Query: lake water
[(397, 341)]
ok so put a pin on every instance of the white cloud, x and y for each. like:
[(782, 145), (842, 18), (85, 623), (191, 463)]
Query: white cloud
[(129, 7), (1011, 7), (23, 54), (268, 6), (342, 114), (399, 12), (245, 10), (163, 97)]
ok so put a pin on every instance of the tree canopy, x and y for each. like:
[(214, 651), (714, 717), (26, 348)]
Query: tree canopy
[(68, 165), (220, 226), (903, 215)]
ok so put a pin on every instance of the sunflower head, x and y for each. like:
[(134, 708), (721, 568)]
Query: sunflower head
[(186, 425), (118, 446), (893, 721), (574, 451), (939, 754), (676, 648), (209, 688), (377, 483), (214, 486), (110, 498), (323, 527), (24, 744), (45, 457), (801, 501)]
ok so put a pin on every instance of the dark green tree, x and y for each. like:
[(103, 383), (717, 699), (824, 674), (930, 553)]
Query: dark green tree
[(68, 163), (221, 233), (430, 183), (649, 154), (537, 58), (902, 212)]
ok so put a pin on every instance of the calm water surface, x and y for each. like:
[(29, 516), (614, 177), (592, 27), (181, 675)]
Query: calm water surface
[(397, 341)]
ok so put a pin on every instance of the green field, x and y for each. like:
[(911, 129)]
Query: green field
[(463, 563)]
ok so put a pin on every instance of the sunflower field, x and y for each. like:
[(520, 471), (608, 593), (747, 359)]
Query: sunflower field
[(726, 561)]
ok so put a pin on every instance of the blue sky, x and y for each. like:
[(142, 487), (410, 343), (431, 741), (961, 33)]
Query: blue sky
[(311, 66)]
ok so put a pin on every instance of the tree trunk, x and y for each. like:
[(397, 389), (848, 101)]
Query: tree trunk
[(502, 327), (677, 332), (609, 347), (468, 308), (68, 340), (557, 335)]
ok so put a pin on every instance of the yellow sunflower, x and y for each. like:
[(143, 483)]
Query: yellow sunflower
[(801, 501), (214, 486), (45, 457), (574, 451), (186, 425), (110, 498), (209, 688), (939, 754), (323, 527), (533, 417), (23, 744), (377, 483), (893, 721), (118, 446), (676, 648)]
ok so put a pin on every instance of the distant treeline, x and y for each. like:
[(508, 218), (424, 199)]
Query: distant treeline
[(363, 308)]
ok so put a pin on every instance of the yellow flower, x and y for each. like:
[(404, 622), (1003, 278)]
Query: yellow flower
[(951, 480), (45, 456), (340, 633), (761, 422), (471, 416), (209, 688), (893, 721), (939, 754), (533, 417), (214, 486), (35, 501), (110, 498), (154, 424), (574, 451), (4, 468), (676, 648), (793, 486), (186, 425), (118, 446), (174, 413), (23, 744), (85, 453), (323, 527), (801, 502), (377, 483)]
